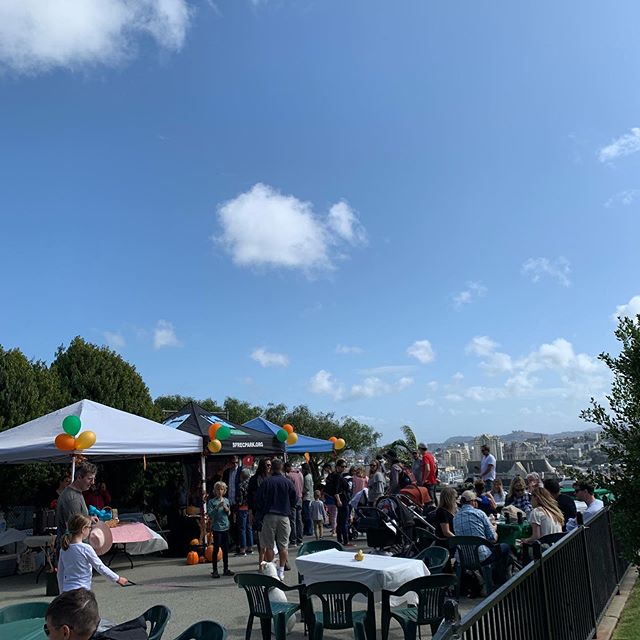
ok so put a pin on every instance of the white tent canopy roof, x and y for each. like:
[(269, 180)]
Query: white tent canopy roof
[(118, 434)]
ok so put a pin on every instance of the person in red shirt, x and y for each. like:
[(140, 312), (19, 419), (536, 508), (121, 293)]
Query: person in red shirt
[(429, 476), (98, 496)]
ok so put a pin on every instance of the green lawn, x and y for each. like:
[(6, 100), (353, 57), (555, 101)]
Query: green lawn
[(629, 626)]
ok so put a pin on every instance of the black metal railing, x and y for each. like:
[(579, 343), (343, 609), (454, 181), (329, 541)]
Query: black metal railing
[(560, 595)]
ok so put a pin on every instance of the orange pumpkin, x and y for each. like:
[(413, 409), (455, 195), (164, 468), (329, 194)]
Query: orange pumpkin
[(201, 561), (192, 557), (208, 554), (194, 542)]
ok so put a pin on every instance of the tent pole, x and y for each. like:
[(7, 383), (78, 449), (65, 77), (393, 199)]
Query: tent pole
[(203, 512), (73, 467)]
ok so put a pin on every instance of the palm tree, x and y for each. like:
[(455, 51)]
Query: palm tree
[(404, 447)]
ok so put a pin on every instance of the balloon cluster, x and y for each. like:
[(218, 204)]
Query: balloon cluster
[(217, 433), (68, 441), (286, 434), (338, 443)]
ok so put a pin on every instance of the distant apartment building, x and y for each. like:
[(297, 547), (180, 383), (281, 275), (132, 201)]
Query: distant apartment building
[(456, 457), (494, 443), (520, 451)]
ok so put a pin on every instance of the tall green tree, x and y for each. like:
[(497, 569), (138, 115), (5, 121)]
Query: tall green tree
[(621, 435), (166, 404), (97, 373), (406, 446), (240, 411), (28, 389)]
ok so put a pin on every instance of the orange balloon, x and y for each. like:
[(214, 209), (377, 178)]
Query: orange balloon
[(65, 442), (292, 438), (333, 439), (212, 430), (288, 428)]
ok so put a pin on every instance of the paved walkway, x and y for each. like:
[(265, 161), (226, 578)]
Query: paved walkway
[(188, 591)]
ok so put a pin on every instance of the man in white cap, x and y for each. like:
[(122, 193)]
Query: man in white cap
[(470, 521)]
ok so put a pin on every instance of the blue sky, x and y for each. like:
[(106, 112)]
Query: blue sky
[(411, 213)]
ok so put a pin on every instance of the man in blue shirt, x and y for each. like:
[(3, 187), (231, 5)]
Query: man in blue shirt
[(470, 521)]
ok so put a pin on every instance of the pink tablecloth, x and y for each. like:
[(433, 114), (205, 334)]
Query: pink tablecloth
[(134, 532)]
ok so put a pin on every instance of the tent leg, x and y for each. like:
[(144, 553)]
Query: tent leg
[(203, 511), (73, 467)]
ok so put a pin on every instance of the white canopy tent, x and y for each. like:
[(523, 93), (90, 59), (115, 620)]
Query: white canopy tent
[(118, 435)]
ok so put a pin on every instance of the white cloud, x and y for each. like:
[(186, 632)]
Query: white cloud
[(373, 387), (345, 350), (630, 310), (39, 35), (164, 335), (558, 269), (427, 402), (481, 346), (454, 397), (397, 369), (473, 291), (484, 394), (578, 373), (624, 198), (626, 145), (114, 340), (270, 359), (422, 351), (457, 377), (343, 221), (323, 383), (264, 228)]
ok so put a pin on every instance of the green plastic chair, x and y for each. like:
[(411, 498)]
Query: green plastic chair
[(204, 630), (468, 559), (157, 617), (435, 558), (431, 591), (425, 538), (337, 611), (23, 611), (257, 588)]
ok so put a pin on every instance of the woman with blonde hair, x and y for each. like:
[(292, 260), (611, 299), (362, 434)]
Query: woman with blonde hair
[(518, 495), (545, 517), (78, 559), (447, 508)]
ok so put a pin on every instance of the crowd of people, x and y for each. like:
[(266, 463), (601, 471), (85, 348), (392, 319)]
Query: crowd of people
[(275, 507)]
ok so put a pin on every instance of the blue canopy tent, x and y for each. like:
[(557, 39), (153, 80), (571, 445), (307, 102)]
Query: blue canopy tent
[(304, 444)]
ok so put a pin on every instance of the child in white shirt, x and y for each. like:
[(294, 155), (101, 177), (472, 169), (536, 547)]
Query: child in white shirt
[(77, 559)]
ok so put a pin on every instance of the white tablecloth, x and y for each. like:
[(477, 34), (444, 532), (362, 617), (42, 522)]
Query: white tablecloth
[(376, 572)]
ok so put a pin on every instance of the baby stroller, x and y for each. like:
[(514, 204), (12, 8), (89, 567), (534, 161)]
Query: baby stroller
[(419, 501), (389, 526)]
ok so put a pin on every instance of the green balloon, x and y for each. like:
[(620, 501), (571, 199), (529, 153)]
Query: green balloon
[(282, 435), (223, 432), (71, 425)]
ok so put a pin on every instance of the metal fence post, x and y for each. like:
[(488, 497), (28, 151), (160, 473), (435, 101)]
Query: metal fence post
[(592, 604), (537, 557), (613, 551)]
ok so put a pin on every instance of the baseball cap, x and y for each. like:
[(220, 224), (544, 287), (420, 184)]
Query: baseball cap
[(422, 445)]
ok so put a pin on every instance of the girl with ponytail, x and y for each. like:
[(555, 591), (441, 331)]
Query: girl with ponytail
[(77, 559)]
